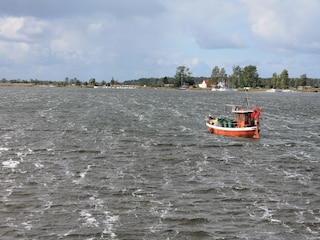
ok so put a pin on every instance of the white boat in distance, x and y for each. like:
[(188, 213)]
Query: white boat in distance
[(273, 90), (223, 89), (279, 90)]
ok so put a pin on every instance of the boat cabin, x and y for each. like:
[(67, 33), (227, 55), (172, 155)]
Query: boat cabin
[(243, 117)]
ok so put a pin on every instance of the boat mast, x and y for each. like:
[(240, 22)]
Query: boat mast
[(246, 100)]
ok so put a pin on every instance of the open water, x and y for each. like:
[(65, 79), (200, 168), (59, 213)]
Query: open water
[(139, 164)]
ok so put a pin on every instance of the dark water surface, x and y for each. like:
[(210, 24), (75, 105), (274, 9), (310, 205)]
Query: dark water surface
[(139, 164)]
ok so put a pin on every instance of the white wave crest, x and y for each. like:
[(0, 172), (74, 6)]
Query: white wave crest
[(3, 149), (10, 164)]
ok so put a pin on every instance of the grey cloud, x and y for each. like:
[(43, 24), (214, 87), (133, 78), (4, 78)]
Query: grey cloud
[(220, 41), (68, 8)]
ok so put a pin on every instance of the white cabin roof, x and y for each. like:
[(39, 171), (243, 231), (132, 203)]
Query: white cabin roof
[(242, 111)]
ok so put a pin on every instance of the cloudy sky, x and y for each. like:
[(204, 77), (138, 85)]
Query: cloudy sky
[(131, 39)]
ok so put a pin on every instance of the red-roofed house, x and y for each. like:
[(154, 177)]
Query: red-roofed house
[(203, 84)]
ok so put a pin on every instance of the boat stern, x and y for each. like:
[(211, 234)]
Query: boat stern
[(257, 131)]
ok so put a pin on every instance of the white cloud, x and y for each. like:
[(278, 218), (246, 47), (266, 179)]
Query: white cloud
[(14, 53), (22, 28), (131, 39), (210, 23), (286, 25), (10, 27)]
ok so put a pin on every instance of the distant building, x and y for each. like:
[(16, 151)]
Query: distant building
[(203, 84), (304, 87)]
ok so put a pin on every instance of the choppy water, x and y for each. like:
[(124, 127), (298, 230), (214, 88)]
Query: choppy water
[(139, 164)]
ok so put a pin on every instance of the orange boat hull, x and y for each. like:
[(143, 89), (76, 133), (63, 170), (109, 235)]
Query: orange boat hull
[(246, 132)]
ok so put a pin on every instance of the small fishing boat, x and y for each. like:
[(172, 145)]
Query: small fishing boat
[(245, 122)]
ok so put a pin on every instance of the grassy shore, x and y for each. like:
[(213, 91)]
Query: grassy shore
[(17, 85)]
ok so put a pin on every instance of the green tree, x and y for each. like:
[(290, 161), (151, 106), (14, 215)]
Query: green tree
[(182, 76), (92, 81), (222, 75), (78, 82), (112, 82), (303, 80), (274, 80), (284, 79), (66, 81), (236, 79), (214, 75), (165, 80), (73, 80), (251, 76), (189, 79)]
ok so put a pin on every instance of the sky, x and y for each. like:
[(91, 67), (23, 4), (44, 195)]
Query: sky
[(132, 39)]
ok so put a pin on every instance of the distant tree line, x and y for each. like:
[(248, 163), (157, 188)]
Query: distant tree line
[(67, 82), (240, 77)]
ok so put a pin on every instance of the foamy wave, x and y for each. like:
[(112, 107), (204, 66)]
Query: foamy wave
[(25, 152), (9, 192), (38, 165), (96, 202), (27, 225), (109, 222), (90, 221), (10, 164), (267, 213), (3, 149), (82, 175)]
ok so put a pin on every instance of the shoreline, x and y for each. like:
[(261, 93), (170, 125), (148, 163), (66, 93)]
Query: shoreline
[(138, 87)]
